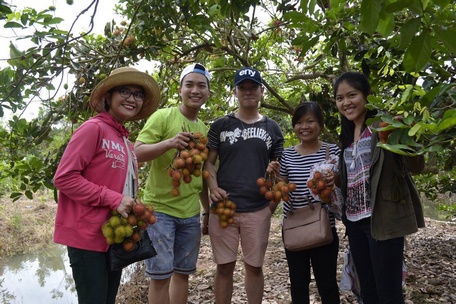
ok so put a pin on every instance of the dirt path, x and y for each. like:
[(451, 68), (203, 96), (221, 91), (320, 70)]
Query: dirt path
[(430, 258)]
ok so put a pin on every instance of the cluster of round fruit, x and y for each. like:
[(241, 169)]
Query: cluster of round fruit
[(225, 210), (275, 189), (188, 162), (318, 187), (126, 231)]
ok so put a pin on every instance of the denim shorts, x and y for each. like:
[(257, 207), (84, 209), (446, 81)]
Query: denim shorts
[(177, 242)]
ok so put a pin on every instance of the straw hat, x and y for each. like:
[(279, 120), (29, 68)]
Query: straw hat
[(127, 76)]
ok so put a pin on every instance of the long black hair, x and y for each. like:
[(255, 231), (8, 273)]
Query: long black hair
[(360, 82)]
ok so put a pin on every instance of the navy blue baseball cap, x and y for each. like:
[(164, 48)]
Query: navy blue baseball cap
[(247, 73)]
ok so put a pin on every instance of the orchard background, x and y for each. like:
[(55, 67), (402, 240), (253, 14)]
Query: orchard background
[(406, 48)]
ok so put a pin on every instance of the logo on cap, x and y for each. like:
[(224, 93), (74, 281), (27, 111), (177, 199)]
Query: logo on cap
[(247, 74)]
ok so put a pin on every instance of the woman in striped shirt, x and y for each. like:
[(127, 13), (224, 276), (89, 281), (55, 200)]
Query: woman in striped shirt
[(296, 164)]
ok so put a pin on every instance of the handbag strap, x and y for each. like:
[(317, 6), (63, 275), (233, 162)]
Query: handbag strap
[(308, 199), (327, 151)]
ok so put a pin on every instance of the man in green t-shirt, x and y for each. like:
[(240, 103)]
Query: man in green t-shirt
[(177, 232)]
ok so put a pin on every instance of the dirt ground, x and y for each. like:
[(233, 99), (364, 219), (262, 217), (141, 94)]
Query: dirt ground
[(27, 226)]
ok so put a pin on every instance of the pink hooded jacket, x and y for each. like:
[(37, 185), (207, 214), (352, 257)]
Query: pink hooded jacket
[(90, 179)]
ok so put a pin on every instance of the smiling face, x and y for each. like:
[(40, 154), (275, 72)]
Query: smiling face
[(307, 128), (194, 90), (351, 102), (122, 107)]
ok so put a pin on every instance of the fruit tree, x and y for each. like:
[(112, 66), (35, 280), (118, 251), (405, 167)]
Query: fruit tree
[(407, 49)]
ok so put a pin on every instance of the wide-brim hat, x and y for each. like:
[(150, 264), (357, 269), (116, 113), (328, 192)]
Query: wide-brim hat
[(127, 76)]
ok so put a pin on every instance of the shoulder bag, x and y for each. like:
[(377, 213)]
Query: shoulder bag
[(307, 228)]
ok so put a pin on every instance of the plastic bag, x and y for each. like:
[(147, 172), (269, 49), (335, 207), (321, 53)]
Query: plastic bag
[(318, 189), (349, 280)]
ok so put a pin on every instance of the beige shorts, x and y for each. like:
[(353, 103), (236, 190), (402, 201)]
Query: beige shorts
[(250, 228)]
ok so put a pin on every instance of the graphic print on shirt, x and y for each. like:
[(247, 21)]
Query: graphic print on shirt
[(112, 148), (252, 132)]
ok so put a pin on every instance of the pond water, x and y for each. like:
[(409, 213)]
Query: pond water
[(44, 277), (41, 278)]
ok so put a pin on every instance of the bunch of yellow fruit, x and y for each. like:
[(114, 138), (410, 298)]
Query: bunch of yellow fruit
[(225, 210), (126, 231)]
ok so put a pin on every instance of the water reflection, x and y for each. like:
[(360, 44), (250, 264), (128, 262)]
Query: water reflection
[(43, 277), (38, 278)]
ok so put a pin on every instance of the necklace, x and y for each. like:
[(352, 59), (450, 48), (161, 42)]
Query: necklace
[(245, 131)]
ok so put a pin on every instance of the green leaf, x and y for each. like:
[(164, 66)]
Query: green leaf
[(386, 24), (12, 24), (55, 21), (408, 31), (442, 3), (15, 195), (447, 123), (449, 114), (413, 130), (29, 194), (398, 5), (5, 9), (398, 149), (370, 15), (418, 53), (447, 36)]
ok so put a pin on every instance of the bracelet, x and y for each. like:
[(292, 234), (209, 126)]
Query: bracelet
[(205, 213)]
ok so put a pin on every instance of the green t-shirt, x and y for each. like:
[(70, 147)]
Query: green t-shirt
[(164, 124)]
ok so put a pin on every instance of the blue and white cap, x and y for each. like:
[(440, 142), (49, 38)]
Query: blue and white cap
[(195, 68)]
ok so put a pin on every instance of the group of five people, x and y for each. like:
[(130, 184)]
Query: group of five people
[(98, 173)]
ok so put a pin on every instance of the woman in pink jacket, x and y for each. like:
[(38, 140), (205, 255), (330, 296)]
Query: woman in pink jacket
[(98, 174)]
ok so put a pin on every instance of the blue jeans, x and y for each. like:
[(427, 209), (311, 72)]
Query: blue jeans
[(177, 242), (95, 284), (324, 265), (378, 264)]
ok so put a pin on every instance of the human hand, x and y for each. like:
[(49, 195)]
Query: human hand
[(329, 179), (273, 167), (180, 141), (218, 194), (126, 205)]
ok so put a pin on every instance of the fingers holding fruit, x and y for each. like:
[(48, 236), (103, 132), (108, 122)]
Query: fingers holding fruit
[(273, 168), (318, 186), (329, 179), (181, 140), (126, 230), (218, 194), (125, 206)]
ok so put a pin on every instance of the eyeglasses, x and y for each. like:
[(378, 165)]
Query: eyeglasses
[(126, 93)]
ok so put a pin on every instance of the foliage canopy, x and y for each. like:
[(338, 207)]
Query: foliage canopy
[(406, 48)]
